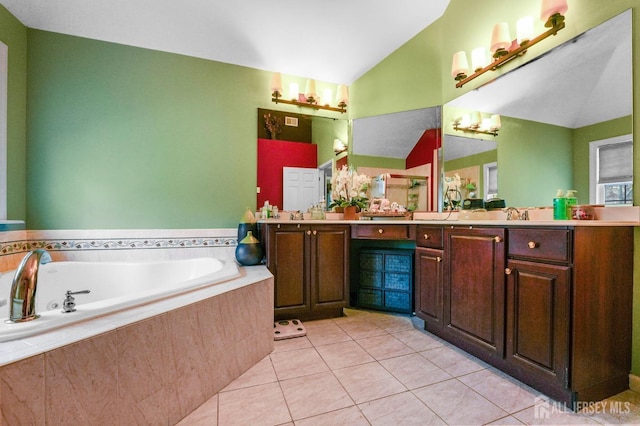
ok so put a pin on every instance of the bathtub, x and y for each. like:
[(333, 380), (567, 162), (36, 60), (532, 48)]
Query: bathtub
[(114, 286)]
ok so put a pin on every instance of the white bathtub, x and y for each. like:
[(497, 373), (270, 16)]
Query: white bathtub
[(114, 286)]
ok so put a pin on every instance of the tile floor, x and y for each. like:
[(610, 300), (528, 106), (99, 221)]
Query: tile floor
[(372, 368)]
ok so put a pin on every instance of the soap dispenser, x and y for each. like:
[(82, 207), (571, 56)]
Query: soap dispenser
[(572, 200), (560, 206)]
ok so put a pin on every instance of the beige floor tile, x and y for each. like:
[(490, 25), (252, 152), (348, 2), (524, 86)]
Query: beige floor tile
[(319, 393), (458, 404), (506, 421), (368, 381), (259, 374), (350, 416), (291, 344), (385, 346), (310, 325), (361, 329), (205, 415), (418, 340), (327, 334), (400, 409), (554, 413), (393, 323), (505, 392), (301, 362), (415, 371), (615, 410), (344, 354), (454, 362), (257, 405)]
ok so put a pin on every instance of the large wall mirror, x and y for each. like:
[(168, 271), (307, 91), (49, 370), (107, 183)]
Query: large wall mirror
[(552, 108)]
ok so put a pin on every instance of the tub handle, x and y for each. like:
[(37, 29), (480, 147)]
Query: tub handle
[(69, 304)]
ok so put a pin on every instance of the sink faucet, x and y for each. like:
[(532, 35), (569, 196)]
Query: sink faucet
[(22, 298), (514, 214)]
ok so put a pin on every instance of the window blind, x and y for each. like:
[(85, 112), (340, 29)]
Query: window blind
[(615, 162)]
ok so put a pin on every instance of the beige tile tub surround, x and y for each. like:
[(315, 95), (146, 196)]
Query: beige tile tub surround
[(154, 371)]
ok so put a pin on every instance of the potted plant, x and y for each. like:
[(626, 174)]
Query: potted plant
[(349, 190)]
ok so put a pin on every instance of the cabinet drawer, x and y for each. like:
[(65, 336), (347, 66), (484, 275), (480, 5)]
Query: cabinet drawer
[(383, 232), (429, 236), (541, 244)]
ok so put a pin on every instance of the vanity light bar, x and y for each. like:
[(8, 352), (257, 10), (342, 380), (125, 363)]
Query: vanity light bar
[(552, 13)]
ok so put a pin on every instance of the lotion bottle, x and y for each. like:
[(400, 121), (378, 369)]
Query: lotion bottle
[(560, 206)]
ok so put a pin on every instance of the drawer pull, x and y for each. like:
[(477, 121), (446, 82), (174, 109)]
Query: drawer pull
[(308, 232), (380, 231), (532, 244), (278, 226), (438, 259), (426, 236), (507, 271), (315, 232), (497, 239)]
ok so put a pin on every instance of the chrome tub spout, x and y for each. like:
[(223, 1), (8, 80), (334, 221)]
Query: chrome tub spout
[(22, 299)]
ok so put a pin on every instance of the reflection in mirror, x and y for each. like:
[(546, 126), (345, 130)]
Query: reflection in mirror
[(552, 108), (403, 147)]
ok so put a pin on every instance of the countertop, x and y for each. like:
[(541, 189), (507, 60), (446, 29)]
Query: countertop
[(455, 222)]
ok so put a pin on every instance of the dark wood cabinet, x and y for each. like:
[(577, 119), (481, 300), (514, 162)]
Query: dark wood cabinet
[(550, 306), (429, 285), (538, 320), (311, 270), (474, 288), (429, 275)]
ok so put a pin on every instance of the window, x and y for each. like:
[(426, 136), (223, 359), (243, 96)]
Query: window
[(611, 171), (490, 180)]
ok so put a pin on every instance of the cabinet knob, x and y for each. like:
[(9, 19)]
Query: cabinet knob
[(308, 232), (380, 231), (532, 244), (438, 259), (426, 236), (315, 232), (497, 239), (507, 271), (278, 226)]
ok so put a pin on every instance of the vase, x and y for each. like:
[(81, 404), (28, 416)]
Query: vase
[(350, 212), (249, 251), (338, 209)]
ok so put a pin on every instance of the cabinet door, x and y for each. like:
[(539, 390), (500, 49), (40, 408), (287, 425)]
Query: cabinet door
[(474, 288), (287, 261), (329, 267), (538, 319), (428, 286)]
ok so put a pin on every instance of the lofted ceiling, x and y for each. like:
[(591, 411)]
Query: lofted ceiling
[(329, 40)]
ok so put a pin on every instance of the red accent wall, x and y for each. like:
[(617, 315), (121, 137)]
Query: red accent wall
[(422, 152), (273, 156)]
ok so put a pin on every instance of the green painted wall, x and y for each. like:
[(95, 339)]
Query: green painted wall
[(581, 139), (14, 35), (324, 131)]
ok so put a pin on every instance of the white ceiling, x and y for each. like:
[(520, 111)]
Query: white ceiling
[(330, 40)]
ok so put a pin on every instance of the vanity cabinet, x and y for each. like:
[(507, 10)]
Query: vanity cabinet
[(474, 295), (429, 278), (550, 306), (310, 268), (569, 294)]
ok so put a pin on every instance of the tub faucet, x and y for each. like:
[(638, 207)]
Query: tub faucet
[(22, 298)]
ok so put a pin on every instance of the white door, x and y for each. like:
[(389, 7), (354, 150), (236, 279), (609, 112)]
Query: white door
[(301, 188)]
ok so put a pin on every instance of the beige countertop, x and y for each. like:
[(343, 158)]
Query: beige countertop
[(543, 217)]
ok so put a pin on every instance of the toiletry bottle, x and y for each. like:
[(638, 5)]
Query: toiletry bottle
[(265, 210), (560, 206), (572, 200)]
